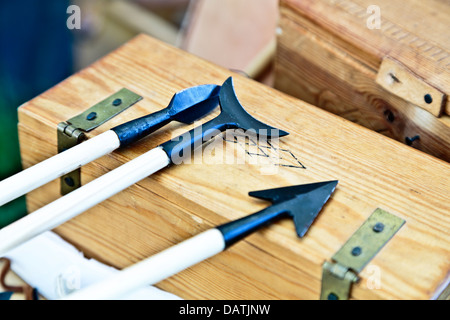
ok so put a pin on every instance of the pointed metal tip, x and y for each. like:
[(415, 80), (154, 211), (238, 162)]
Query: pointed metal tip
[(302, 202), (283, 133), (239, 118), (312, 204), (229, 80), (287, 193)]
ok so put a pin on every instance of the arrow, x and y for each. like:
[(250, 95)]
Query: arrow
[(186, 106), (65, 208), (301, 203)]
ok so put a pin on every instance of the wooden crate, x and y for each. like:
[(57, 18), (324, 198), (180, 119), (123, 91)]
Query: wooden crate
[(392, 77), (181, 201)]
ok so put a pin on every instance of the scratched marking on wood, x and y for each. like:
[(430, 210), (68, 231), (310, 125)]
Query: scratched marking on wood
[(266, 150)]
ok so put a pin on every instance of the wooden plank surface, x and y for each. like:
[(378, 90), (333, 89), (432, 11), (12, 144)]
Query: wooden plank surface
[(330, 69), (184, 200)]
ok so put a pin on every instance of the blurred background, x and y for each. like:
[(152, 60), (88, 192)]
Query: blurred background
[(38, 49)]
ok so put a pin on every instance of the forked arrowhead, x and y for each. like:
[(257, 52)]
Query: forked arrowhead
[(232, 116), (237, 117)]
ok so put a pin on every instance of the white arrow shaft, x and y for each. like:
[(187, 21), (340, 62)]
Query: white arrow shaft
[(57, 166), (156, 268), (80, 200)]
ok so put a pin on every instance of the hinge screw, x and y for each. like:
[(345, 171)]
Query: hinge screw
[(356, 251), (332, 296), (91, 116), (117, 102), (378, 227)]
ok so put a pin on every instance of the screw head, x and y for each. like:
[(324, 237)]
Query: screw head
[(428, 98), (332, 296), (378, 227), (356, 251), (117, 102), (91, 116)]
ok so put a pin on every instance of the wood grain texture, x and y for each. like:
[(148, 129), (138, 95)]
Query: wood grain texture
[(181, 201), (327, 65), (418, 37)]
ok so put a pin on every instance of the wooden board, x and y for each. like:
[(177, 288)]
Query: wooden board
[(379, 78), (181, 201)]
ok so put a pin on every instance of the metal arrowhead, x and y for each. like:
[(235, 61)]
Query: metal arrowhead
[(194, 103), (303, 202)]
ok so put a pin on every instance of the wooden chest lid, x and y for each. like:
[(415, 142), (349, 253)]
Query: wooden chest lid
[(181, 201)]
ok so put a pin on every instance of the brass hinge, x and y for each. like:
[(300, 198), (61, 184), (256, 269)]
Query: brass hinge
[(73, 131), (339, 275)]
